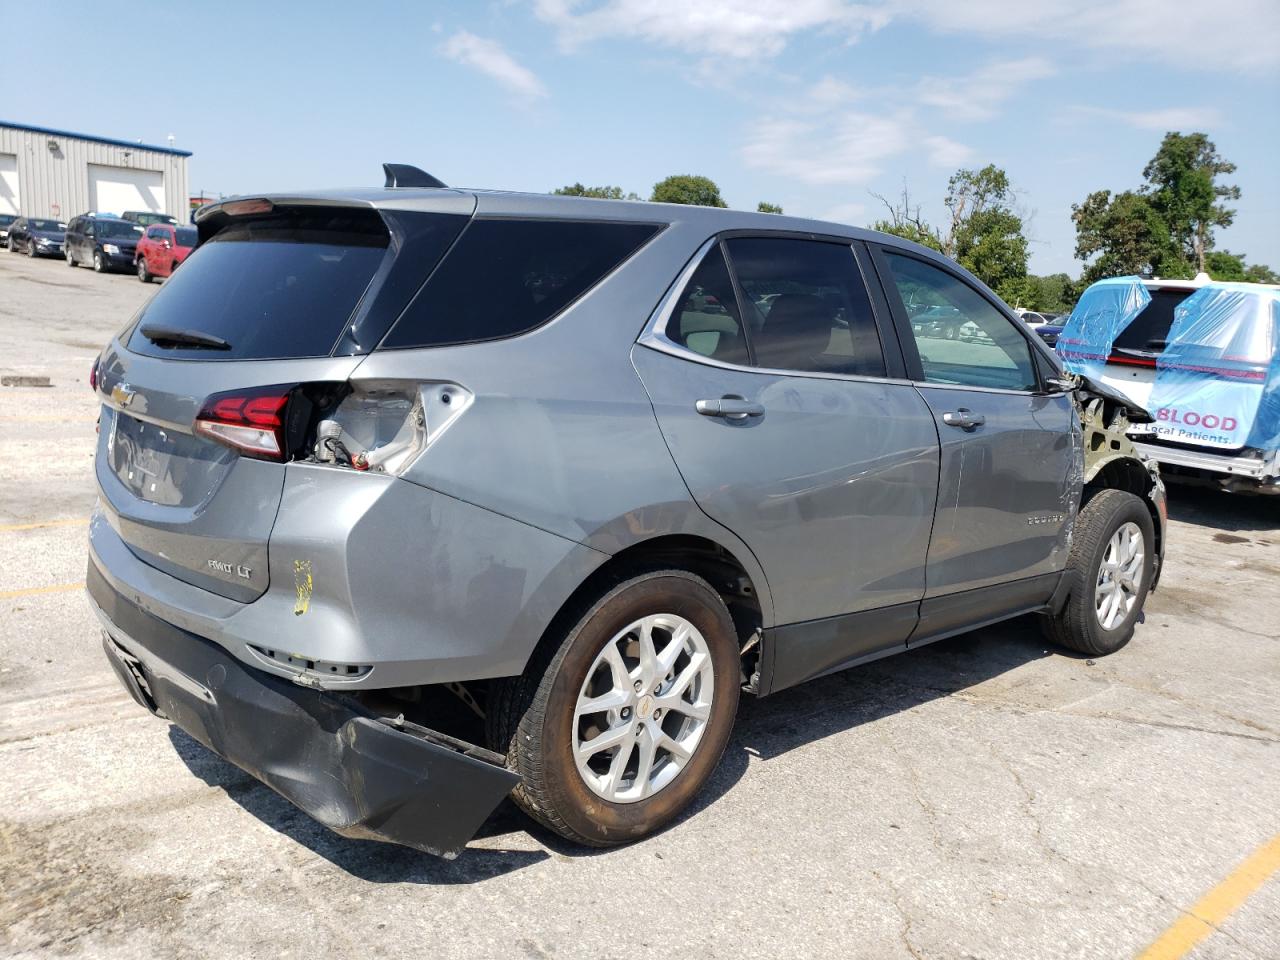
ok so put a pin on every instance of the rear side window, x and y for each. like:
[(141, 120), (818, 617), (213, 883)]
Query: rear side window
[(706, 319), (808, 308), (506, 277), (279, 287)]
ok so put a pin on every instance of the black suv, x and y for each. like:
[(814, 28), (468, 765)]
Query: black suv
[(109, 243), (6, 219)]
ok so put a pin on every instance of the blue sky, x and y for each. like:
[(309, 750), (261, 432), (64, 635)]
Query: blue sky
[(813, 104)]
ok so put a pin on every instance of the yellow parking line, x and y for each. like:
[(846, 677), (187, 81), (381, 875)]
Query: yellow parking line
[(36, 591), (68, 522), (1216, 905)]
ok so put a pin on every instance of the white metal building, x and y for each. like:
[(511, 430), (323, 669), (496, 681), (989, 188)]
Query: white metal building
[(55, 173)]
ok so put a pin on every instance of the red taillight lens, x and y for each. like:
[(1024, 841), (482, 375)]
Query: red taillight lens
[(250, 421), (93, 375)]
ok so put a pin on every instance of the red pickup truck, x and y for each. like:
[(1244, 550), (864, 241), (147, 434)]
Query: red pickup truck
[(161, 249)]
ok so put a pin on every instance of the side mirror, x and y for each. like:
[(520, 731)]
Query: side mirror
[(1059, 385)]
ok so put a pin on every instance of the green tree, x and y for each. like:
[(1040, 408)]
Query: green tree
[(1127, 235), (1054, 293), (1225, 265), (1259, 273), (907, 221), (765, 207), (602, 193), (984, 233), (1183, 187), (687, 188)]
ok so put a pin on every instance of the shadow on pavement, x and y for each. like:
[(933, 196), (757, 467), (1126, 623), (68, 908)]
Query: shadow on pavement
[(1230, 512), (765, 729)]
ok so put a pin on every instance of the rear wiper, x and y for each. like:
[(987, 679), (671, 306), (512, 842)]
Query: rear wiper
[(162, 336)]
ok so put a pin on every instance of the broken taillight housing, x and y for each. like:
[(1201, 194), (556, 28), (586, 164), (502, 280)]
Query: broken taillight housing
[(252, 422)]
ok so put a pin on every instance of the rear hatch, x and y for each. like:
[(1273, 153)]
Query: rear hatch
[(212, 389)]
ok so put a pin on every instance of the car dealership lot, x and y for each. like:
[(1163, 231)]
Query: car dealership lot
[(987, 796)]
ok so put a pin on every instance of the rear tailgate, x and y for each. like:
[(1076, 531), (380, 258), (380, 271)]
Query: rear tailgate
[(278, 305)]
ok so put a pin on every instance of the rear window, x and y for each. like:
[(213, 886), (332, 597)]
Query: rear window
[(1150, 328), (506, 277), (279, 287)]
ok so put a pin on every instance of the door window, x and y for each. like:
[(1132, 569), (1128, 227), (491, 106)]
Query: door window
[(807, 308), (706, 319), (961, 337)]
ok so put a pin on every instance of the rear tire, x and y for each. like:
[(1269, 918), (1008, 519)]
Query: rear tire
[(539, 721), (1109, 572)]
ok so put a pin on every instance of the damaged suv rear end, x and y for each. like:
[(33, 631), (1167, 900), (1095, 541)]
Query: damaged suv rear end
[(262, 483)]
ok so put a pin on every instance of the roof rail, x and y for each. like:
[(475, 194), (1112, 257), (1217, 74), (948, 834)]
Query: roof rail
[(404, 175)]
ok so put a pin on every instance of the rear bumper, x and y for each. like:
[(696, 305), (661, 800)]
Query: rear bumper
[(358, 774)]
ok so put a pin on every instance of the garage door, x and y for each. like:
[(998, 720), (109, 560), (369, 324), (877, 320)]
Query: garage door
[(117, 189), (8, 183)]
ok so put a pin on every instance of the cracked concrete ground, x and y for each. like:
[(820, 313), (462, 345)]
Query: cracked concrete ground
[(985, 797)]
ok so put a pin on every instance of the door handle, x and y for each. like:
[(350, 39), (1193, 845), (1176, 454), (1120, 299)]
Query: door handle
[(730, 408), (964, 419)]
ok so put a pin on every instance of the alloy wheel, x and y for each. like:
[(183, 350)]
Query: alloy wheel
[(643, 708), (1119, 576)]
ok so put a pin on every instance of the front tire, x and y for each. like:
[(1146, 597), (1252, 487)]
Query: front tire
[(143, 273), (617, 727), (99, 264), (71, 258), (1110, 569), (31, 249)]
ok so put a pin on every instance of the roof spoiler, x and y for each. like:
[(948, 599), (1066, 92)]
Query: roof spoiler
[(404, 175)]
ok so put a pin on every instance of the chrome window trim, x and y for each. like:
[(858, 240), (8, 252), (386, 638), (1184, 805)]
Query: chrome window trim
[(655, 333)]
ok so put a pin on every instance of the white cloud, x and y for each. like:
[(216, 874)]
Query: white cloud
[(975, 97), (1168, 118), (1186, 33), (841, 147), (489, 57), (726, 28)]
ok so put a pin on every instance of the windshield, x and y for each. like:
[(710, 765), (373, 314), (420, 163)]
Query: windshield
[(51, 225), (118, 228), (186, 236)]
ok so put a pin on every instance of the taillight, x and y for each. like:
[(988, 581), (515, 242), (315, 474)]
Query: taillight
[(250, 421), (93, 375)]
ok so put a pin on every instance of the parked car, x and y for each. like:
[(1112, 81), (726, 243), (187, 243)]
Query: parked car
[(147, 218), (36, 237), (108, 243), (309, 542), (1048, 332), (1204, 357), (162, 248), (6, 219)]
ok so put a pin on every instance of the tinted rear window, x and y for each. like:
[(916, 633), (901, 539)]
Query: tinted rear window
[(505, 277), (1150, 328), (274, 288)]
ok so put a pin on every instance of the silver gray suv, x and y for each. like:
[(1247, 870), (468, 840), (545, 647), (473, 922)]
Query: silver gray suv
[(415, 498)]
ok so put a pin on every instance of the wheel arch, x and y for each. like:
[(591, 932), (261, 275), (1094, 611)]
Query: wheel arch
[(1130, 475)]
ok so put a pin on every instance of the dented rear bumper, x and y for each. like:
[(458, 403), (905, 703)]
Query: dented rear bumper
[(358, 774)]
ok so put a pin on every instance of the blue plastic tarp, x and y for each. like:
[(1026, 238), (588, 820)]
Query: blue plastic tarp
[(1101, 314), (1218, 379)]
